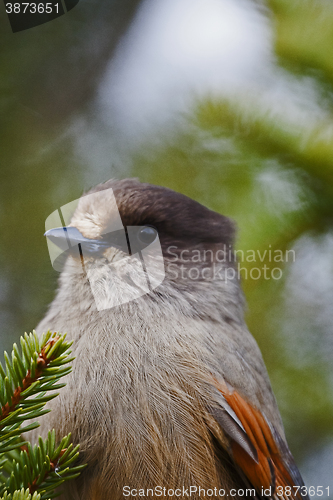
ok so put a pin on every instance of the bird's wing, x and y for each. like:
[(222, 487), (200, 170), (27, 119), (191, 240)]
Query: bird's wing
[(257, 449)]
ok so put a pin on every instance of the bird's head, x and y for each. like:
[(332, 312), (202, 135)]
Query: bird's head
[(131, 235)]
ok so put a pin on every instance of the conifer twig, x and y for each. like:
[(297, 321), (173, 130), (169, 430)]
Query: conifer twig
[(26, 384)]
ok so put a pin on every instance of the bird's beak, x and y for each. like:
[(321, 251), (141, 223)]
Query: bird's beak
[(67, 238)]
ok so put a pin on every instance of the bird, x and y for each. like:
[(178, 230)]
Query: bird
[(169, 394)]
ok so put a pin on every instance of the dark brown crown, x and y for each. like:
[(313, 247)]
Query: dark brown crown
[(177, 218)]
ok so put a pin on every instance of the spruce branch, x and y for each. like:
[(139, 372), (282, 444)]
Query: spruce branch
[(44, 467), (20, 495), (27, 383)]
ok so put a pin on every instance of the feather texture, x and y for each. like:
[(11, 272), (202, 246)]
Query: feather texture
[(141, 400), (256, 446)]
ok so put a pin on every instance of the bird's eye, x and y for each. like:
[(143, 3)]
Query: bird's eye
[(147, 235)]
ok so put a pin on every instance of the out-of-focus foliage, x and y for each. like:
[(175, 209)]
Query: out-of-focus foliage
[(304, 36)]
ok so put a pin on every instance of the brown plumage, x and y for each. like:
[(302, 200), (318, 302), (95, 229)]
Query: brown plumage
[(169, 389)]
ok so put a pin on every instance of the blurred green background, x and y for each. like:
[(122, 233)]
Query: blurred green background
[(263, 158)]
